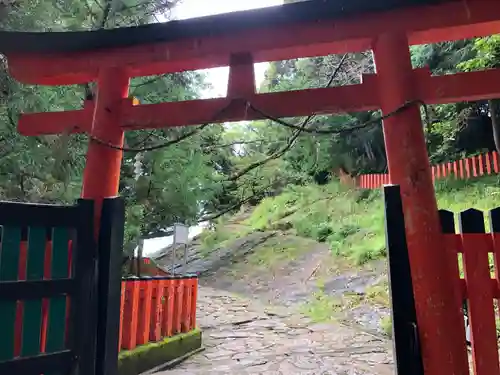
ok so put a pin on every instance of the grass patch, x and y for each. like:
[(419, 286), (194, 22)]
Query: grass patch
[(218, 236), (321, 307), (378, 294), (146, 357), (278, 250), (386, 326), (350, 221)]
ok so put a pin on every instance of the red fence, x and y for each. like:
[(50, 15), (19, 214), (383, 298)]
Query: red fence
[(473, 166), (156, 308)]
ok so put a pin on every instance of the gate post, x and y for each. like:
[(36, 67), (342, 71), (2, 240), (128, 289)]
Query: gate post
[(438, 321), (101, 176), (110, 249)]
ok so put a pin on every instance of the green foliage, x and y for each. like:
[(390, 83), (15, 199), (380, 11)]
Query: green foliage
[(321, 307), (278, 251), (386, 325), (352, 222), (343, 218)]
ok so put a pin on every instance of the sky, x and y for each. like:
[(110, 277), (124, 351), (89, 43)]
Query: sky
[(198, 8), (218, 77)]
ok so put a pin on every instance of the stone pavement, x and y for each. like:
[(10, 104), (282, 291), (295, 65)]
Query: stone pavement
[(242, 336)]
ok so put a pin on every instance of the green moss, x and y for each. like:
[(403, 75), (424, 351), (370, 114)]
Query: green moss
[(378, 294), (386, 325), (147, 357), (351, 221), (278, 250), (321, 307)]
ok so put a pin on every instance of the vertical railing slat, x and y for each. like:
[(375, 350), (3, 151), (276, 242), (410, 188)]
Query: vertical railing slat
[(168, 317), (144, 316), (186, 305), (156, 312), (20, 304), (32, 318), (56, 330), (9, 260), (131, 315), (487, 161), (122, 307), (194, 300)]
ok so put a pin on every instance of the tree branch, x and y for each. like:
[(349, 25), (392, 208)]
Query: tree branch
[(293, 138)]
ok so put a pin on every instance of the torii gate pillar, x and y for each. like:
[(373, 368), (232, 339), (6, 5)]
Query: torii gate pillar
[(438, 315), (101, 176)]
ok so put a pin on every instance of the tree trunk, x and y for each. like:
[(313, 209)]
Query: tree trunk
[(494, 106)]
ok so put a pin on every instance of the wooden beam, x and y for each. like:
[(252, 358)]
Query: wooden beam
[(351, 98), (424, 24), (354, 98), (460, 87)]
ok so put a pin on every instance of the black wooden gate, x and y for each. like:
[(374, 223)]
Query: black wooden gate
[(55, 286), (407, 354)]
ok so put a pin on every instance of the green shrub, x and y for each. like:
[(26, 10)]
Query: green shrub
[(386, 325)]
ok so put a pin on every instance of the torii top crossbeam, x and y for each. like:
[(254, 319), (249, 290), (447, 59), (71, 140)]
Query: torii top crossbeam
[(312, 28)]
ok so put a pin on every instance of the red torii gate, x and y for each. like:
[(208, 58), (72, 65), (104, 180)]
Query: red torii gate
[(307, 29)]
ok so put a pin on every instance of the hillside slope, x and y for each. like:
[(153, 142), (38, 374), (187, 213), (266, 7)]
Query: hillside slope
[(318, 249)]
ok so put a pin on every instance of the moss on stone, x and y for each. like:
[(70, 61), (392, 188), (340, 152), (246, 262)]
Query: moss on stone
[(149, 356)]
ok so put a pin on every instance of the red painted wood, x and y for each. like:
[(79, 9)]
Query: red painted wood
[(144, 312), (480, 303), (495, 289), (186, 305), (458, 87), (474, 166), (425, 24), (467, 167), (156, 312), (169, 316), (194, 300), (443, 166), (495, 162), (45, 302), (241, 82), (452, 245), (462, 174), (440, 89), (351, 98), (101, 175), (407, 157), (488, 163), (480, 164), (130, 316), (179, 299), (77, 121), (455, 170), (122, 307)]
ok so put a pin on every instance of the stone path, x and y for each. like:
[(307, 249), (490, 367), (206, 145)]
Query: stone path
[(242, 336)]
